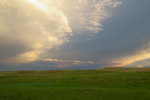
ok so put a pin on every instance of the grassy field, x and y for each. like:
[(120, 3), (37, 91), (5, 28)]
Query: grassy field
[(104, 84)]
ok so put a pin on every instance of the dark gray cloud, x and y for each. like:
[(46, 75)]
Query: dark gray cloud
[(125, 37)]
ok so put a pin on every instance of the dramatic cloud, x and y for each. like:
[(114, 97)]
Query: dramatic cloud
[(29, 27), (130, 59), (64, 63), (86, 15), (27, 30)]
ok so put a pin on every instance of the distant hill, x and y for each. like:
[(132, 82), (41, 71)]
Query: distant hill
[(123, 69)]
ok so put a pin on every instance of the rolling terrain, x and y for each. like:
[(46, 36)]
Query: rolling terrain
[(103, 84)]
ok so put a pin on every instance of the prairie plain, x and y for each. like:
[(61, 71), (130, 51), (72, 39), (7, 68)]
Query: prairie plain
[(103, 84)]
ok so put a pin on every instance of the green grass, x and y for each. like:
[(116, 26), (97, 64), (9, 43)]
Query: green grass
[(104, 84)]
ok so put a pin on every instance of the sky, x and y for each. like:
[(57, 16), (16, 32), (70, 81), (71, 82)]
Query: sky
[(74, 34)]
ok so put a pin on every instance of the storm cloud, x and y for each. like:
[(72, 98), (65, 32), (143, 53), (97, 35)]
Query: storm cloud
[(123, 42), (28, 28)]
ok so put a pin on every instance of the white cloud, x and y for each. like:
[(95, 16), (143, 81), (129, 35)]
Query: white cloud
[(86, 15), (29, 29), (67, 62)]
